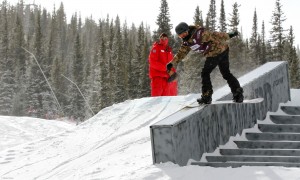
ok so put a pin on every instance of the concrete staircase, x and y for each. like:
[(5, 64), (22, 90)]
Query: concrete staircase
[(278, 144)]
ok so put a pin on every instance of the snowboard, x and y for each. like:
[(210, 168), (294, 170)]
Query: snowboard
[(196, 104)]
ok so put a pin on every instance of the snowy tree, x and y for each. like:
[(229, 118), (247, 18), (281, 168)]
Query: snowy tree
[(254, 43), (236, 44), (139, 58), (163, 20), (117, 55), (222, 20), (133, 70), (263, 56), (293, 60), (145, 81), (127, 51), (20, 57), (77, 100), (277, 31), (198, 19), (212, 16), (105, 88), (7, 79)]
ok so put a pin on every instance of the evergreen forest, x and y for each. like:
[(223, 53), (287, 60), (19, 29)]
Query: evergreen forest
[(59, 67)]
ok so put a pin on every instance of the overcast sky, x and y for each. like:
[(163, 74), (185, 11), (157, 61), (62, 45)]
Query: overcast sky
[(147, 11)]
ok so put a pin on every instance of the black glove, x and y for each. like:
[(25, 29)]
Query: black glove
[(232, 34), (169, 66), (173, 77)]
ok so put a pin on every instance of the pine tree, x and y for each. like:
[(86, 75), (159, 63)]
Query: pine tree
[(222, 20), (58, 84), (7, 81), (139, 58), (127, 51), (94, 97), (277, 36), (110, 62), (163, 20), (145, 81), (38, 94), (77, 100), (59, 63), (263, 57), (234, 18), (236, 44), (254, 47), (298, 51), (70, 41), (47, 98), (133, 73), (20, 66), (120, 74), (294, 69), (52, 47), (269, 51), (62, 32), (105, 91), (293, 60), (111, 34), (211, 16), (198, 20), (28, 24)]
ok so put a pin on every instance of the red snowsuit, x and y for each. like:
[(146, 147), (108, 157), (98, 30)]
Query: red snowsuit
[(159, 57)]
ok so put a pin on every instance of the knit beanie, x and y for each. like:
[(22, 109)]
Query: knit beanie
[(181, 28)]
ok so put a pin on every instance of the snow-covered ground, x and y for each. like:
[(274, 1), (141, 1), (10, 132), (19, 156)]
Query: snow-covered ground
[(114, 144)]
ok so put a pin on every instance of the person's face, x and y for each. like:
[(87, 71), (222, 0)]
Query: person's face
[(183, 35), (164, 40)]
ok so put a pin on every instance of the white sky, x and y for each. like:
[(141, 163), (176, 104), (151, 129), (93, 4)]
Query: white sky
[(113, 145), (147, 11)]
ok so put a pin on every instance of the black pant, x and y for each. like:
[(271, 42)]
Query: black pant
[(222, 60)]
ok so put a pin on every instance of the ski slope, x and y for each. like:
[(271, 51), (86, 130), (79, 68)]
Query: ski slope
[(114, 144)]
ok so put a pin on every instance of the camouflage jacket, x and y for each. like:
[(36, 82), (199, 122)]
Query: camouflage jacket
[(207, 43)]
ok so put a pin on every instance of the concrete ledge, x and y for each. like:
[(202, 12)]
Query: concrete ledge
[(189, 133)]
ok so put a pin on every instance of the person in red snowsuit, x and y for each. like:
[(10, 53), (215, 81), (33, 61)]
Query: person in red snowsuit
[(160, 55)]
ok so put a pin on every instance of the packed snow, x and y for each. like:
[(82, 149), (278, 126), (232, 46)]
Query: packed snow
[(114, 144)]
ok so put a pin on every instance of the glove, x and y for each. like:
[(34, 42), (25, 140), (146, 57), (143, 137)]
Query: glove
[(173, 77), (169, 66), (232, 34)]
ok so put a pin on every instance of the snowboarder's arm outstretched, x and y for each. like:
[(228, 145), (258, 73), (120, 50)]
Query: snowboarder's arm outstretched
[(180, 55)]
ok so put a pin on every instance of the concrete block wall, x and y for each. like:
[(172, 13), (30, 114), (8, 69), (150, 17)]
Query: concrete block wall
[(189, 133), (271, 81)]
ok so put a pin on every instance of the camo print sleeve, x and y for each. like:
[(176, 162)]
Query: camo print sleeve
[(218, 42), (214, 36), (180, 55)]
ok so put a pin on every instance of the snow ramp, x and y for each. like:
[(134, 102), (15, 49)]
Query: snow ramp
[(190, 132)]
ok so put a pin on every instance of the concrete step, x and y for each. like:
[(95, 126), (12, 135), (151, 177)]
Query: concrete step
[(286, 159), (268, 144), (239, 164), (261, 152), (279, 128), (285, 119), (273, 136), (291, 110)]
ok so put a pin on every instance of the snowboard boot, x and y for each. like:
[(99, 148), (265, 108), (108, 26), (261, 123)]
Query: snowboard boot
[(205, 98), (238, 96)]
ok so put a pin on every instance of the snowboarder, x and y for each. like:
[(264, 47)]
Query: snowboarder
[(160, 55), (214, 47)]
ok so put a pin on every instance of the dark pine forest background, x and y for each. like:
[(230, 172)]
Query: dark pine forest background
[(50, 65)]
